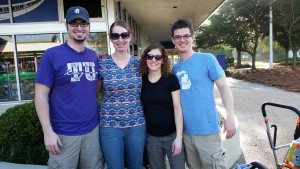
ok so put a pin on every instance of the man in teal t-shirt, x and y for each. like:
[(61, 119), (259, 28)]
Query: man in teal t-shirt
[(197, 74)]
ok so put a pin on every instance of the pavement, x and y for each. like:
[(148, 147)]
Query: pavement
[(5, 165), (248, 98)]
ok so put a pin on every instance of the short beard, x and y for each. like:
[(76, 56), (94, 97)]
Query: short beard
[(79, 40)]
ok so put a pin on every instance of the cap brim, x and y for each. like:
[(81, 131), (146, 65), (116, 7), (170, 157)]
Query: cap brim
[(77, 17)]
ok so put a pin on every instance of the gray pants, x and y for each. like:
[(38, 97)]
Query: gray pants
[(82, 152), (160, 147)]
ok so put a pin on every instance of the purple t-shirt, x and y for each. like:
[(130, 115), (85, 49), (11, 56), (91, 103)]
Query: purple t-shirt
[(72, 77)]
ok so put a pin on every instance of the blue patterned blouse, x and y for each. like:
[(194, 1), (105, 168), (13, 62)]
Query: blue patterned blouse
[(121, 105)]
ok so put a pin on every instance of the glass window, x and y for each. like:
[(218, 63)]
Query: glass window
[(124, 15), (131, 49), (30, 48), (117, 9), (133, 29), (130, 22), (8, 86), (96, 41), (93, 6)]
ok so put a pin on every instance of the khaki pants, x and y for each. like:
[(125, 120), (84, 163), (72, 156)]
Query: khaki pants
[(204, 151), (82, 152)]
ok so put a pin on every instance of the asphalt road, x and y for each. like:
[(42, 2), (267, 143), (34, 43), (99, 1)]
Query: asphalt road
[(248, 99)]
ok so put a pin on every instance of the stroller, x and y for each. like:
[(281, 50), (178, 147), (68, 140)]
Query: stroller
[(287, 162)]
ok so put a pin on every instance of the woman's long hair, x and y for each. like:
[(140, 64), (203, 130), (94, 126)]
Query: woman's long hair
[(165, 66)]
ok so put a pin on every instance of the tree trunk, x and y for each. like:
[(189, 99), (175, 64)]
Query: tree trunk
[(253, 62), (238, 58), (294, 60), (286, 56)]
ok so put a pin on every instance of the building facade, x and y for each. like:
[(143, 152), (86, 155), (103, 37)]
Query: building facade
[(29, 27)]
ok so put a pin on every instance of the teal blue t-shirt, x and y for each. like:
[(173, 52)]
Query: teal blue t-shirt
[(196, 77)]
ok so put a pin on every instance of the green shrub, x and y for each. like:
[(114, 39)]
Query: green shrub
[(290, 62), (100, 99), (228, 73), (245, 65), (21, 136), (222, 119), (247, 71)]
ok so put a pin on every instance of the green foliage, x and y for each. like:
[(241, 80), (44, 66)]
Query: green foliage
[(228, 73), (100, 98), (222, 119), (290, 62), (243, 71), (21, 136), (238, 24), (227, 51), (287, 18), (245, 65)]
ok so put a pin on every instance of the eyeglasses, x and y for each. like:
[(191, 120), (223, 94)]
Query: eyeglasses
[(185, 37), (156, 57), (82, 25), (116, 36)]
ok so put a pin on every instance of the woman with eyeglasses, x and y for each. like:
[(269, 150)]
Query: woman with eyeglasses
[(162, 108), (122, 121)]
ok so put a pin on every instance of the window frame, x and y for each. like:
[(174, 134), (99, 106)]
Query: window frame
[(63, 19)]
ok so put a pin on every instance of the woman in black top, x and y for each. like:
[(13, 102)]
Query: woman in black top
[(162, 107)]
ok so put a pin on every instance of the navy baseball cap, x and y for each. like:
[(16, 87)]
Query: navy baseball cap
[(77, 12)]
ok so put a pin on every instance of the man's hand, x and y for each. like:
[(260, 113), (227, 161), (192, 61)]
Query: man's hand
[(52, 143), (229, 128)]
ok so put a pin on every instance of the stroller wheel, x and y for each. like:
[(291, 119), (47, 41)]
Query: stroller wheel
[(257, 165)]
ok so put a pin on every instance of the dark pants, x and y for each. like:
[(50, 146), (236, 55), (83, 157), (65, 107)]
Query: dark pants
[(160, 147)]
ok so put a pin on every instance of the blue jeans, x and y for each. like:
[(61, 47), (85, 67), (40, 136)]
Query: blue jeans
[(113, 141)]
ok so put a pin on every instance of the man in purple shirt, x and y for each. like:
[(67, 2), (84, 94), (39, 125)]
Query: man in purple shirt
[(66, 98)]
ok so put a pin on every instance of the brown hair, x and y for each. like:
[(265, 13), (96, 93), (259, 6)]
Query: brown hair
[(181, 23), (121, 24), (165, 66)]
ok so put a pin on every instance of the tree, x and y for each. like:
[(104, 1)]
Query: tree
[(238, 24), (289, 19), (281, 37), (222, 31)]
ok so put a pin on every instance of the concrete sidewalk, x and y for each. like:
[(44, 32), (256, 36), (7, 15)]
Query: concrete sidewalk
[(248, 99), (5, 165)]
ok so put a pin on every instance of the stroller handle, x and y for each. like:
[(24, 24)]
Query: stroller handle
[(263, 108)]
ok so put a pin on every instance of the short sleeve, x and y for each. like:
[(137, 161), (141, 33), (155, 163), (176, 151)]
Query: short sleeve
[(174, 83), (45, 72), (215, 70)]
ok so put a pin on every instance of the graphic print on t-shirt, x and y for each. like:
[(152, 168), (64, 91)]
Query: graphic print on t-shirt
[(78, 69), (184, 79)]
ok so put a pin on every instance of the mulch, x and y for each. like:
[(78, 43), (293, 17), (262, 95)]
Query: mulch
[(280, 76)]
